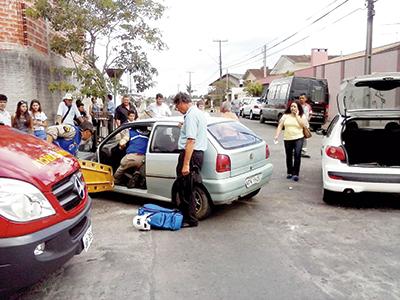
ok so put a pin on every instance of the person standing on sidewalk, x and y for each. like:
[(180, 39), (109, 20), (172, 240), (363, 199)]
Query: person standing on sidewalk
[(22, 120), (121, 112), (110, 113), (192, 143), (294, 120), (5, 116), (303, 99), (158, 109), (39, 119), (67, 111)]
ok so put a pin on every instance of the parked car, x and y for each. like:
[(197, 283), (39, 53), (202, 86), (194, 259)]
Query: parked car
[(236, 162), (251, 107), (360, 151), (44, 209), (281, 92)]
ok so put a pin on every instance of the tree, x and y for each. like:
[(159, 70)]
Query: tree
[(254, 89), (102, 34)]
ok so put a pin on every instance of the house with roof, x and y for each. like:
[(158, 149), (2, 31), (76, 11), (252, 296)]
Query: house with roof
[(290, 63), (221, 86), (228, 80), (253, 75)]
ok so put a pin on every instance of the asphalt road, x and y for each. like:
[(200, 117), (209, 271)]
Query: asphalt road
[(285, 243)]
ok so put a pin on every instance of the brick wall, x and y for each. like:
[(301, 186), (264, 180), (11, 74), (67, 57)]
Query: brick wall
[(17, 28), (26, 64)]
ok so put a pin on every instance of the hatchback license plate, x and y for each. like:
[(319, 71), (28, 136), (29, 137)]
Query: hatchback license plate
[(252, 180), (87, 238)]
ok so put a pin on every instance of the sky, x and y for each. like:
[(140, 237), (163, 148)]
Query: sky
[(189, 28)]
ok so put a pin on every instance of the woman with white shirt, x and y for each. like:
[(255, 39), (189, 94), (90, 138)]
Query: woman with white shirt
[(39, 119)]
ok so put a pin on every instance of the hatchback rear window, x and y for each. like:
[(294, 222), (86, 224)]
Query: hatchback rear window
[(231, 135)]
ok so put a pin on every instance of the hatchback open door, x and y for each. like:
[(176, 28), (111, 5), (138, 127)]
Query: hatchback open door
[(377, 94)]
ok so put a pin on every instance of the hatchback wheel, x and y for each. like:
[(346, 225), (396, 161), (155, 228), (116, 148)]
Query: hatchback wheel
[(203, 207)]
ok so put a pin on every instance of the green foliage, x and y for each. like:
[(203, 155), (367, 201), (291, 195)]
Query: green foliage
[(120, 27), (254, 89), (63, 86)]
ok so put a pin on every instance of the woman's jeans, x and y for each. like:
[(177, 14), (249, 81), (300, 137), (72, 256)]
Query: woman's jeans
[(41, 134), (293, 151)]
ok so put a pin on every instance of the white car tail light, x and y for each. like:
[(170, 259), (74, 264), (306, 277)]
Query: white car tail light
[(336, 153)]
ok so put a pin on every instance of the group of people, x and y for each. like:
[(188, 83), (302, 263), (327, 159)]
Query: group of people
[(29, 119)]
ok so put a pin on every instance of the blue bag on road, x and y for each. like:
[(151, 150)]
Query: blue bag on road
[(162, 218)]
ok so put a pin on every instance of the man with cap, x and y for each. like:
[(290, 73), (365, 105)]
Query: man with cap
[(69, 137), (5, 117), (67, 111)]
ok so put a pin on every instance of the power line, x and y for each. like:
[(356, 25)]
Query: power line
[(306, 37), (312, 23), (294, 34)]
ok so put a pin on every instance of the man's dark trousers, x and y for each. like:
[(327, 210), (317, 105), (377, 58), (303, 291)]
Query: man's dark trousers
[(185, 186)]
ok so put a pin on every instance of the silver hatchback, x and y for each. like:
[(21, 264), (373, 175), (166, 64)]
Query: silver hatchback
[(236, 162)]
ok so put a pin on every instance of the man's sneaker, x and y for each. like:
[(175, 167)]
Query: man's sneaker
[(305, 154), (289, 176), (295, 178)]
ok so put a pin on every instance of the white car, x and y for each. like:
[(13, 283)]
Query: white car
[(251, 107), (361, 149)]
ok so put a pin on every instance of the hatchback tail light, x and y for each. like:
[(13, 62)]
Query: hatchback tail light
[(267, 154), (223, 163), (336, 153)]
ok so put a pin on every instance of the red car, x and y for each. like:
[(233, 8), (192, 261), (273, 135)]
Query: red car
[(44, 209)]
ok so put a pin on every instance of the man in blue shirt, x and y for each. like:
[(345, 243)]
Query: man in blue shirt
[(136, 143), (192, 143), (110, 113)]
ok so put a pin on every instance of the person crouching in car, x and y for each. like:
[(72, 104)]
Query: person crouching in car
[(69, 137), (136, 143)]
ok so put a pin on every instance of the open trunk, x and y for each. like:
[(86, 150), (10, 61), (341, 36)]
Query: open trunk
[(372, 142)]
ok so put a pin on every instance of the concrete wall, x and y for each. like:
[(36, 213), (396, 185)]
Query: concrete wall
[(26, 74), (332, 74)]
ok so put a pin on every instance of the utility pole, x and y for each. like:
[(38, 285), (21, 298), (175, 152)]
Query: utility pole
[(227, 80), (368, 50), (220, 55), (265, 61)]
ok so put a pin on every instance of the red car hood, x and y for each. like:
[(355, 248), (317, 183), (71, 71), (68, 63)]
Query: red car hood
[(27, 158)]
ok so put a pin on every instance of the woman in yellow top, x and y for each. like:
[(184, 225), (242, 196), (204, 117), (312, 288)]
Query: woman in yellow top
[(294, 120)]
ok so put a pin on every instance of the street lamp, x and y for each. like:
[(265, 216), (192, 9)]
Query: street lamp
[(115, 75)]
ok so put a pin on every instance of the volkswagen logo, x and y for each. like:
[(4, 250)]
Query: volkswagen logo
[(79, 187)]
